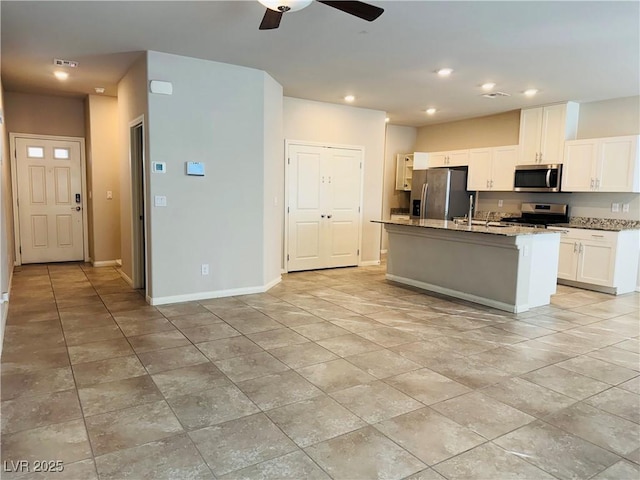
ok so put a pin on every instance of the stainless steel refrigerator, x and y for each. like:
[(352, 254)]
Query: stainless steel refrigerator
[(439, 193)]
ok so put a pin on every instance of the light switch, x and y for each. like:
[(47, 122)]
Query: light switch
[(615, 207), (625, 207), (160, 201), (109, 195)]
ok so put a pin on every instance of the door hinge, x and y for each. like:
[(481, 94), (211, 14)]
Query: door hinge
[(287, 257), (20, 250), (358, 251), (358, 209), (360, 165), (288, 161), (287, 209)]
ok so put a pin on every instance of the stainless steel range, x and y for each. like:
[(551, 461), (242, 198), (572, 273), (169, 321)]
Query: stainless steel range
[(541, 214)]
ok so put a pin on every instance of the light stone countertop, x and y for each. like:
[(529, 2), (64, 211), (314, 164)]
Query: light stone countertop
[(508, 231)]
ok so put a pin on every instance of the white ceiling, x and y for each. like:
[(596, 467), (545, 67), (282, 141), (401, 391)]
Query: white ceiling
[(582, 51)]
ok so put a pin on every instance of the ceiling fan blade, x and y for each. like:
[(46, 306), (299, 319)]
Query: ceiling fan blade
[(359, 9), (270, 20)]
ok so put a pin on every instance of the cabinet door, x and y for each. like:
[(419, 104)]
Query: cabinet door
[(438, 159), (553, 134), (596, 263), (458, 158), (505, 160), (568, 258), (578, 170), (479, 174), (530, 133), (408, 172), (400, 161), (617, 158)]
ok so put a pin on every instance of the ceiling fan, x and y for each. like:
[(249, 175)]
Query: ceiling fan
[(276, 8)]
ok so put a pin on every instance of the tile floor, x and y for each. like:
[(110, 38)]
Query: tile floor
[(331, 374)]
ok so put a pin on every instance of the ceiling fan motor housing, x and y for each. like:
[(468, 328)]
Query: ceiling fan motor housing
[(285, 5)]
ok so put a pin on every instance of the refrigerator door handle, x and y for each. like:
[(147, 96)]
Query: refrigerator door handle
[(423, 201)]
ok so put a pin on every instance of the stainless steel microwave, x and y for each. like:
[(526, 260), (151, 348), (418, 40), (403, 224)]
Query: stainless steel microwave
[(537, 178)]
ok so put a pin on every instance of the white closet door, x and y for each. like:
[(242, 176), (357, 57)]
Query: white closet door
[(49, 178), (323, 210), (305, 208), (343, 202)]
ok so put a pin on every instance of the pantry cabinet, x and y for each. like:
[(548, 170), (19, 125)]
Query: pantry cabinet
[(404, 171), (609, 164), (544, 130), (601, 260), (492, 169)]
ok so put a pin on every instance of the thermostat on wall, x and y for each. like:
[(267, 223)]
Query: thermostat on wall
[(159, 167), (195, 168)]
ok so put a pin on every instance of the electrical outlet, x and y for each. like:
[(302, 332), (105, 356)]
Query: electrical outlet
[(500, 203), (615, 207), (625, 207), (204, 269)]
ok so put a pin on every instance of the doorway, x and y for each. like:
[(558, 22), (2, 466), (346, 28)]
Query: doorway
[(323, 219), (49, 178), (138, 192)]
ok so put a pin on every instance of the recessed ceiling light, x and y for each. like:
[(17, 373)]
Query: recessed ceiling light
[(531, 92), (488, 86), (431, 111), (386, 120), (60, 75), (445, 72), (349, 98), (99, 89)]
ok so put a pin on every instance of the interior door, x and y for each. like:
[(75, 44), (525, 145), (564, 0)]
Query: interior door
[(323, 208), (49, 181), (306, 213), (342, 228)]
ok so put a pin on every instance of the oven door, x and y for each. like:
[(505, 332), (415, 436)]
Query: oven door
[(537, 178)]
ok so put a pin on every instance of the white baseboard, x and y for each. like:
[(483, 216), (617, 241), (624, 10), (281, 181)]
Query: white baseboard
[(232, 292), (107, 263), (462, 295), (126, 278), (369, 263)]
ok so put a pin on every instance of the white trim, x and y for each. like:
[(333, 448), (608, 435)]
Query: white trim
[(457, 294), (232, 292), (287, 144), (126, 277), (383, 251), (369, 263), (106, 263), (5, 312), (14, 185), (136, 274)]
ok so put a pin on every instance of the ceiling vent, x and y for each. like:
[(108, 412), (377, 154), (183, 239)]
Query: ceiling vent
[(495, 95), (65, 63)]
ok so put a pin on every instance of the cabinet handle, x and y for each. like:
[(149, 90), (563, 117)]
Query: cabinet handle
[(540, 157), (597, 184), (575, 247), (321, 216), (592, 183), (487, 183), (322, 179), (580, 251), (491, 184), (598, 236), (329, 216), (537, 157)]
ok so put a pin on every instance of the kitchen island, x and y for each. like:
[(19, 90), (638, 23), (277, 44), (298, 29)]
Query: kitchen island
[(506, 267)]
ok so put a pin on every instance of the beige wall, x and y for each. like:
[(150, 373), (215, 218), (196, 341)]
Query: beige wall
[(306, 120), (103, 174), (132, 103), (609, 118), (45, 114), (489, 131), (6, 218)]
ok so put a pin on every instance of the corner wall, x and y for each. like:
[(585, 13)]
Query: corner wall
[(311, 121), (228, 118)]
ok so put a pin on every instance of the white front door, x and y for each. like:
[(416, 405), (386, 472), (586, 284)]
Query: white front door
[(323, 210), (49, 184)]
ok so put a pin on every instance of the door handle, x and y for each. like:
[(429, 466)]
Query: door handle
[(77, 209), (548, 178)]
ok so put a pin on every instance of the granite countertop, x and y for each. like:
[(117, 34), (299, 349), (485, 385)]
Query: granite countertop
[(608, 224), (495, 229)]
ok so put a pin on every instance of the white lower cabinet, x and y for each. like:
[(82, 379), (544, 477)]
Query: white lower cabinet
[(602, 260)]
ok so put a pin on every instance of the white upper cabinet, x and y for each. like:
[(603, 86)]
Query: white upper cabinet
[(492, 169), (608, 164), (404, 171), (451, 158), (544, 130)]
